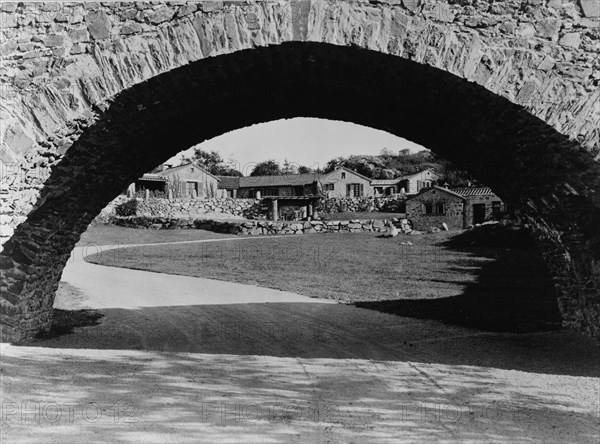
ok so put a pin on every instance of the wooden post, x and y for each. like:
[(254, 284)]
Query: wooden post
[(147, 194), (310, 210), (234, 193), (275, 210)]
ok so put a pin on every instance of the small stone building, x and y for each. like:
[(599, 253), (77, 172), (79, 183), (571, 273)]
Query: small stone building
[(482, 204), (459, 208), (436, 205)]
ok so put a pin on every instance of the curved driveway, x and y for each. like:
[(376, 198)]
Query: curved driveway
[(179, 359)]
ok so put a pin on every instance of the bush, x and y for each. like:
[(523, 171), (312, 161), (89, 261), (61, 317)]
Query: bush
[(128, 208)]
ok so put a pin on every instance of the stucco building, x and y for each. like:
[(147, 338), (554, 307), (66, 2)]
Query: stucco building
[(414, 183), (188, 180), (344, 182)]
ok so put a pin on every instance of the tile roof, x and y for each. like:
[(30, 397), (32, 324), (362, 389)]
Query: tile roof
[(228, 182), (435, 187), (473, 191), (279, 180)]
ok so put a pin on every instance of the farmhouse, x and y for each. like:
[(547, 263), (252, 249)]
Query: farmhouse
[(414, 183), (344, 182), (408, 184), (188, 180), (457, 208)]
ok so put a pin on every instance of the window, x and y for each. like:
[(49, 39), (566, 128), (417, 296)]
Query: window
[(354, 189), (428, 208), (439, 208), (192, 188), (496, 206), (343, 175), (329, 187)]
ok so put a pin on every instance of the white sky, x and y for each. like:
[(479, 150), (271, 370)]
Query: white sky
[(303, 141)]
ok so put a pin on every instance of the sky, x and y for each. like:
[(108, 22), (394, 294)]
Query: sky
[(303, 141)]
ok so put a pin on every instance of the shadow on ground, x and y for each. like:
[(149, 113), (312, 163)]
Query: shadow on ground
[(513, 291), (306, 330)]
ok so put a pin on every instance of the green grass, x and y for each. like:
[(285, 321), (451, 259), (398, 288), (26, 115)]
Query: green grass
[(98, 234), (489, 278)]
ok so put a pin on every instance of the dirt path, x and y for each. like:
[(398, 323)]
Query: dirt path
[(189, 360)]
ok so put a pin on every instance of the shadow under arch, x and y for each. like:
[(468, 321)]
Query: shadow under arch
[(524, 159)]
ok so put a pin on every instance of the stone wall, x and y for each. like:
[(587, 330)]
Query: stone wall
[(487, 201), (391, 204), (255, 227), (97, 93), (190, 208), (535, 53)]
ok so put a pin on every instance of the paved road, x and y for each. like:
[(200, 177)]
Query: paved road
[(187, 360), (110, 287)]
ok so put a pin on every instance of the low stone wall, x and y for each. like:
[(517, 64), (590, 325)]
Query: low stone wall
[(189, 208), (254, 227), (391, 204)]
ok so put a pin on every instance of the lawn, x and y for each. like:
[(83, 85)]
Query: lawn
[(483, 275), (100, 234)]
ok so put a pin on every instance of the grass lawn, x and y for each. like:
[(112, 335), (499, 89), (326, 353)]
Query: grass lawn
[(474, 275), (99, 234)]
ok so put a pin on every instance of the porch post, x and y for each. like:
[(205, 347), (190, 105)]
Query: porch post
[(274, 210)]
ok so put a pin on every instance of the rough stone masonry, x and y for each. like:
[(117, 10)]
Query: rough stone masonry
[(94, 94)]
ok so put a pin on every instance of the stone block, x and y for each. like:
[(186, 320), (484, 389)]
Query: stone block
[(570, 39), (98, 25), (161, 15), (590, 8)]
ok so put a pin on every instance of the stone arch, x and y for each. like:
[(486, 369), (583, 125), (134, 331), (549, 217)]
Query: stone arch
[(104, 116)]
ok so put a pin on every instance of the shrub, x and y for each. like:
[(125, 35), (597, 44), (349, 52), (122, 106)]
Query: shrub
[(128, 208)]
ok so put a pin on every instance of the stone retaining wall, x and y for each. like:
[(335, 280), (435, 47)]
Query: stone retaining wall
[(188, 208), (254, 227), (392, 204)]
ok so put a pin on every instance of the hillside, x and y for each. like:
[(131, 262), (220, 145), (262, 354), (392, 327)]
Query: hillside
[(388, 165)]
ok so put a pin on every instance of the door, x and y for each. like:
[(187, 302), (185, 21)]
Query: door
[(478, 213)]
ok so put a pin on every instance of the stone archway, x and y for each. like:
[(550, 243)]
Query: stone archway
[(129, 111)]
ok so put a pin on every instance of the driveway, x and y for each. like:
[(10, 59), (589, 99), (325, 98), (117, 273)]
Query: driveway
[(176, 359)]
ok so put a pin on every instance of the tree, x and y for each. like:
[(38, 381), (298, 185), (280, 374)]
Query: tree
[(386, 152), (288, 167), (334, 164), (266, 168), (210, 160), (215, 164), (304, 170)]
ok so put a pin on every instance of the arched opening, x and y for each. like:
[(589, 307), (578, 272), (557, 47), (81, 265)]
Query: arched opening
[(528, 163)]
